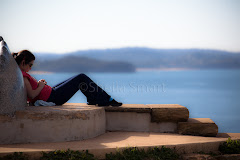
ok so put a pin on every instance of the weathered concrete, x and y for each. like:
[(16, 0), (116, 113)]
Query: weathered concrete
[(210, 157), (113, 141), (138, 122), (12, 93), (53, 124), (136, 117), (168, 113), (198, 127)]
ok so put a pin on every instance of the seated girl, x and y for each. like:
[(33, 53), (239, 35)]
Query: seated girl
[(62, 92)]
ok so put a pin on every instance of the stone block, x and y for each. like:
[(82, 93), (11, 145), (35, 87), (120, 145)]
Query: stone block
[(198, 127), (168, 113), (12, 94)]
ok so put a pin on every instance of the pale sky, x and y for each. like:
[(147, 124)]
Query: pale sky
[(61, 26)]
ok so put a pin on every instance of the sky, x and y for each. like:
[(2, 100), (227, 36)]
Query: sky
[(60, 26)]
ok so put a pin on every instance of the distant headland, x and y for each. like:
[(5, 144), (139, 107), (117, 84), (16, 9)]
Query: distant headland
[(132, 59)]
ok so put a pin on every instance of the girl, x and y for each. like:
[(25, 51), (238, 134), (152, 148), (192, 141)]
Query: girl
[(62, 92)]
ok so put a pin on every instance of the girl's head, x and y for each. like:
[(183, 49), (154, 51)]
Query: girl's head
[(24, 59)]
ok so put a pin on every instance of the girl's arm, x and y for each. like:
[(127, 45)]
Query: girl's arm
[(33, 93)]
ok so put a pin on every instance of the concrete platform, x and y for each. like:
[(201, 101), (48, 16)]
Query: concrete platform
[(111, 141), (78, 121)]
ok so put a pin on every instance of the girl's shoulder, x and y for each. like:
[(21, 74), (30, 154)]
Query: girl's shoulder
[(25, 74)]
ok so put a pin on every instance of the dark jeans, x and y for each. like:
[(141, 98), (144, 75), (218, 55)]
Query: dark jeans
[(62, 92)]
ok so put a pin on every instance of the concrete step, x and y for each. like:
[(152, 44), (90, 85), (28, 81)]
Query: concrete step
[(113, 141), (146, 118), (198, 127)]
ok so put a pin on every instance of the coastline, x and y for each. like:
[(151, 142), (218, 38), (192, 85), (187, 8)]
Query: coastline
[(137, 70), (40, 72), (162, 69)]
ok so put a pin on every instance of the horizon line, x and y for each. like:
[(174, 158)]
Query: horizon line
[(140, 47)]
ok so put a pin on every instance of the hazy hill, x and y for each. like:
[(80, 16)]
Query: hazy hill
[(82, 64), (155, 58), (124, 59)]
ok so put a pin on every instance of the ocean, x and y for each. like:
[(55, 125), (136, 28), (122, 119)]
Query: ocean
[(211, 94)]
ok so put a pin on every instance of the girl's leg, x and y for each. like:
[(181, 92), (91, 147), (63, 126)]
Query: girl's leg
[(61, 83), (65, 90)]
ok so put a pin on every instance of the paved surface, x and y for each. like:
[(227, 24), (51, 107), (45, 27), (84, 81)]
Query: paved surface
[(109, 141)]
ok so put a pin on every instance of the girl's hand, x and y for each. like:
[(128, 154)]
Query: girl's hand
[(42, 80), (41, 84)]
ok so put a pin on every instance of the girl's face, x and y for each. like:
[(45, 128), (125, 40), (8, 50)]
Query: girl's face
[(26, 67)]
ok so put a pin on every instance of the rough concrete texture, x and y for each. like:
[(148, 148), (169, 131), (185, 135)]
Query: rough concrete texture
[(52, 124), (113, 141), (198, 127), (168, 113), (12, 93)]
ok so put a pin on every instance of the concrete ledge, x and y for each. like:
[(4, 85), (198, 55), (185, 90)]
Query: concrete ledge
[(53, 124), (198, 127), (159, 112)]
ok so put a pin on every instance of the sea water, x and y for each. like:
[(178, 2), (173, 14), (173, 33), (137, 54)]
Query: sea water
[(211, 94)]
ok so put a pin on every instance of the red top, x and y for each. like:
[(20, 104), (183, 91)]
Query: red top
[(45, 92)]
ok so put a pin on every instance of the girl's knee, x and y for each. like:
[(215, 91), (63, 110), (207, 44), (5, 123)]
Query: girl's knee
[(81, 75)]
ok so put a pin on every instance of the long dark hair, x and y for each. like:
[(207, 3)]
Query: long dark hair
[(23, 55)]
